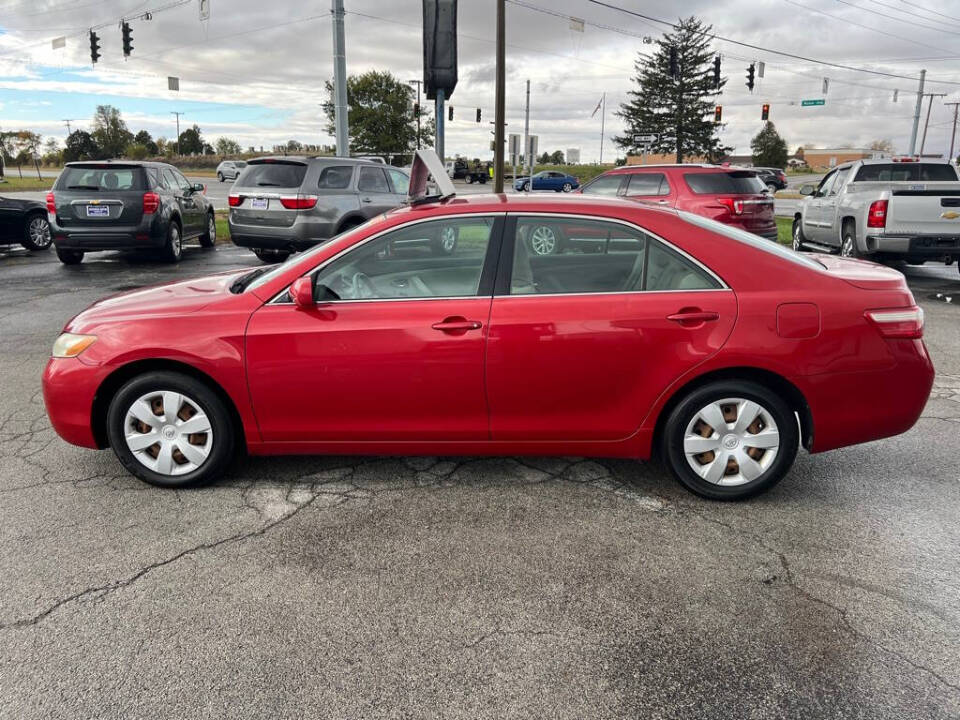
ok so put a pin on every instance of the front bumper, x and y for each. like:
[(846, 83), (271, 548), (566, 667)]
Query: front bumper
[(930, 246), (69, 389)]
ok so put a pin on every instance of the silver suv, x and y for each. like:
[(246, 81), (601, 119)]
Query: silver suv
[(283, 204), (230, 169)]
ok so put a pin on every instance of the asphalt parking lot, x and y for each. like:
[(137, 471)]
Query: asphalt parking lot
[(350, 587)]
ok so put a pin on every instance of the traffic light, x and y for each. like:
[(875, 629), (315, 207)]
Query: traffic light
[(674, 65), (717, 113), (716, 72), (750, 72), (765, 111), (416, 109), (94, 47), (478, 114), (450, 112), (127, 38)]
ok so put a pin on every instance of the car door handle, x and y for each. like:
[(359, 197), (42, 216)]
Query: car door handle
[(457, 325), (693, 315), (366, 200)]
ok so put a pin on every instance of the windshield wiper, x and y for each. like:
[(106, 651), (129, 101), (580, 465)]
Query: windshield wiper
[(82, 187), (240, 284)]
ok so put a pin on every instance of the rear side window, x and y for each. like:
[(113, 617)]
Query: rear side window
[(372, 180), (277, 174), (906, 172), (669, 270), (335, 177), (648, 184), (723, 183), (97, 179), (604, 185)]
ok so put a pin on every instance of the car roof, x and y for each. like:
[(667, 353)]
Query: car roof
[(307, 159), (523, 202), (697, 167), (119, 162)]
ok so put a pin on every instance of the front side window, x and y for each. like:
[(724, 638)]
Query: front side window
[(170, 180), (841, 177), (604, 185), (434, 259), (825, 184), (401, 181), (372, 179)]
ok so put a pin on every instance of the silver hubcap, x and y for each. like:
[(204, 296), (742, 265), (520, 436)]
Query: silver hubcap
[(168, 433), (543, 240), (448, 239), (567, 187), (212, 228), (731, 441), (175, 244), (846, 249), (796, 236), (39, 231)]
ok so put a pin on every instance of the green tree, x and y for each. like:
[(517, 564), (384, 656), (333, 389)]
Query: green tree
[(110, 132), (136, 151), (678, 110), (143, 138), (80, 145), (769, 149), (191, 141), (557, 157), (381, 115), (544, 158), (226, 146)]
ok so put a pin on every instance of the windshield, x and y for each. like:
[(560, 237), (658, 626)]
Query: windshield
[(906, 172), (755, 241)]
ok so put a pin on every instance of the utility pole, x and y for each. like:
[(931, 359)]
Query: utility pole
[(500, 111), (178, 114), (526, 140), (953, 133), (67, 122), (419, 84), (927, 122), (340, 80), (916, 114), (603, 117)]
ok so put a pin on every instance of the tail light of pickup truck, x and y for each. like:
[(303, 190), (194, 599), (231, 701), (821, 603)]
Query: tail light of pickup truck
[(299, 202), (733, 205), (877, 215), (898, 323), (151, 201)]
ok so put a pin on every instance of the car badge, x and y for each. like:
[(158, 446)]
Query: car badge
[(94, 202), (949, 215)]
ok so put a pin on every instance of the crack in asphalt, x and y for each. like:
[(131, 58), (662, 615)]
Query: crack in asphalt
[(500, 633)]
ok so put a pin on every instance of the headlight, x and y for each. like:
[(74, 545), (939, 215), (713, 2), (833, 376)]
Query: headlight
[(70, 345)]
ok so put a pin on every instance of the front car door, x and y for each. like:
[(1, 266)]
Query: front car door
[(178, 188), (581, 344), (400, 182), (394, 350), (813, 210), (828, 208), (609, 185), (376, 195)]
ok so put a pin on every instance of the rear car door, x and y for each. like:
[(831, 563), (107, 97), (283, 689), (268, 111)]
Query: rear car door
[(394, 351), (376, 195), (649, 186), (581, 344)]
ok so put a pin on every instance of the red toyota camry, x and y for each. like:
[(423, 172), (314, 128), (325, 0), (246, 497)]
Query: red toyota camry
[(438, 329)]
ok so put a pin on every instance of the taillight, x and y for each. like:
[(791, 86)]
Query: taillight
[(51, 204), (898, 322), (235, 200), (733, 205), (877, 215), (151, 201), (299, 202)]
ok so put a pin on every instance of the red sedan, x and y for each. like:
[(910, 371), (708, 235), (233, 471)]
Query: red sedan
[(438, 329)]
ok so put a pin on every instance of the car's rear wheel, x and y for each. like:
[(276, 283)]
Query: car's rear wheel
[(220, 176), (170, 429), (848, 241), (173, 247), (36, 234), (772, 188), (469, 179), (798, 237), (209, 238), (70, 257), (271, 256), (567, 187), (730, 440)]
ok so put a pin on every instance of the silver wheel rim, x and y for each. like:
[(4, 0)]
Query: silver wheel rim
[(543, 240), (175, 244), (731, 442), (168, 432), (448, 239), (212, 228), (39, 232), (567, 187), (796, 237), (846, 248)]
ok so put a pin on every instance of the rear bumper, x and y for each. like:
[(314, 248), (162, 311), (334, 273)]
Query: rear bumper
[(916, 245), (770, 234), (304, 233), (149, 234), (69, 388)]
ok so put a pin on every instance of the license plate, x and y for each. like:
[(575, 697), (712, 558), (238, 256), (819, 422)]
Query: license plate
[(98, 211), (260, 203)]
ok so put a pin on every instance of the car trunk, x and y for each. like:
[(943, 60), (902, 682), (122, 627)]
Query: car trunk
[(931, 208), (92, 194), (258, 196), (864, 274), (734, 197)]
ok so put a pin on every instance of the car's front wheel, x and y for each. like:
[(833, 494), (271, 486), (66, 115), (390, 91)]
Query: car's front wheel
[(36, 234), (445, 241), (209, 238), (730, 440), (544, 240), (70, 257), (170, 429)]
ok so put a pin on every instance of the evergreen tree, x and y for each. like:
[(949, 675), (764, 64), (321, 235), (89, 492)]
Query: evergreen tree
[(679, 110), (769, 149)]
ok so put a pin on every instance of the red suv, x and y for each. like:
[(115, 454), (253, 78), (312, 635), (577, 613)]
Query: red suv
[(732, 196)]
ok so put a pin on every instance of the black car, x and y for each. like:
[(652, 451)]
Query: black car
[(24, 222), (122, 205), (774, 178)]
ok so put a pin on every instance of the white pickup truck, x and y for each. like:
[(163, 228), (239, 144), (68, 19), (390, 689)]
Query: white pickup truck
[(883, 209)]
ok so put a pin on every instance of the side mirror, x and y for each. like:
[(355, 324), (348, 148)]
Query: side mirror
[(302, 293), (808, 189), (199, 187)]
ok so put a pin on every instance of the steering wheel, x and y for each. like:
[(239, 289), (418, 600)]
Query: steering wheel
[(361, 286)]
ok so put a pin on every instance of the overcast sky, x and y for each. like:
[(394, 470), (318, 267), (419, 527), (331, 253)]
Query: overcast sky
[(255, 70)]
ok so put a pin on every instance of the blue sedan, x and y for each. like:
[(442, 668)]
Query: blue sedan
[(548, 180)]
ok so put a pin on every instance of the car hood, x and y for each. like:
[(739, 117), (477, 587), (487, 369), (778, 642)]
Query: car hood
[(174, 299)]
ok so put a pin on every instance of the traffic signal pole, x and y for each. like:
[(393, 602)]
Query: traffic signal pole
[(340, 80), (499, 111)]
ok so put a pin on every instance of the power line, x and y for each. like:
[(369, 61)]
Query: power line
[(912, 13), (894, 17), (932, 12)]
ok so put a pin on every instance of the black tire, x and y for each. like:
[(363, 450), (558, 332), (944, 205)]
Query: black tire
[(469, 179), (848, 241), (271, 256), (36, 232), (220, 176), (70, 257), (772, 188), (196, 393), (209, 238), (799, 239), (567, 187), (483, 179), (688, 410), (525, 187), (173, 246)]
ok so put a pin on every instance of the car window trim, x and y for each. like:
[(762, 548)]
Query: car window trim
[(507, 249), (487, 273)]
